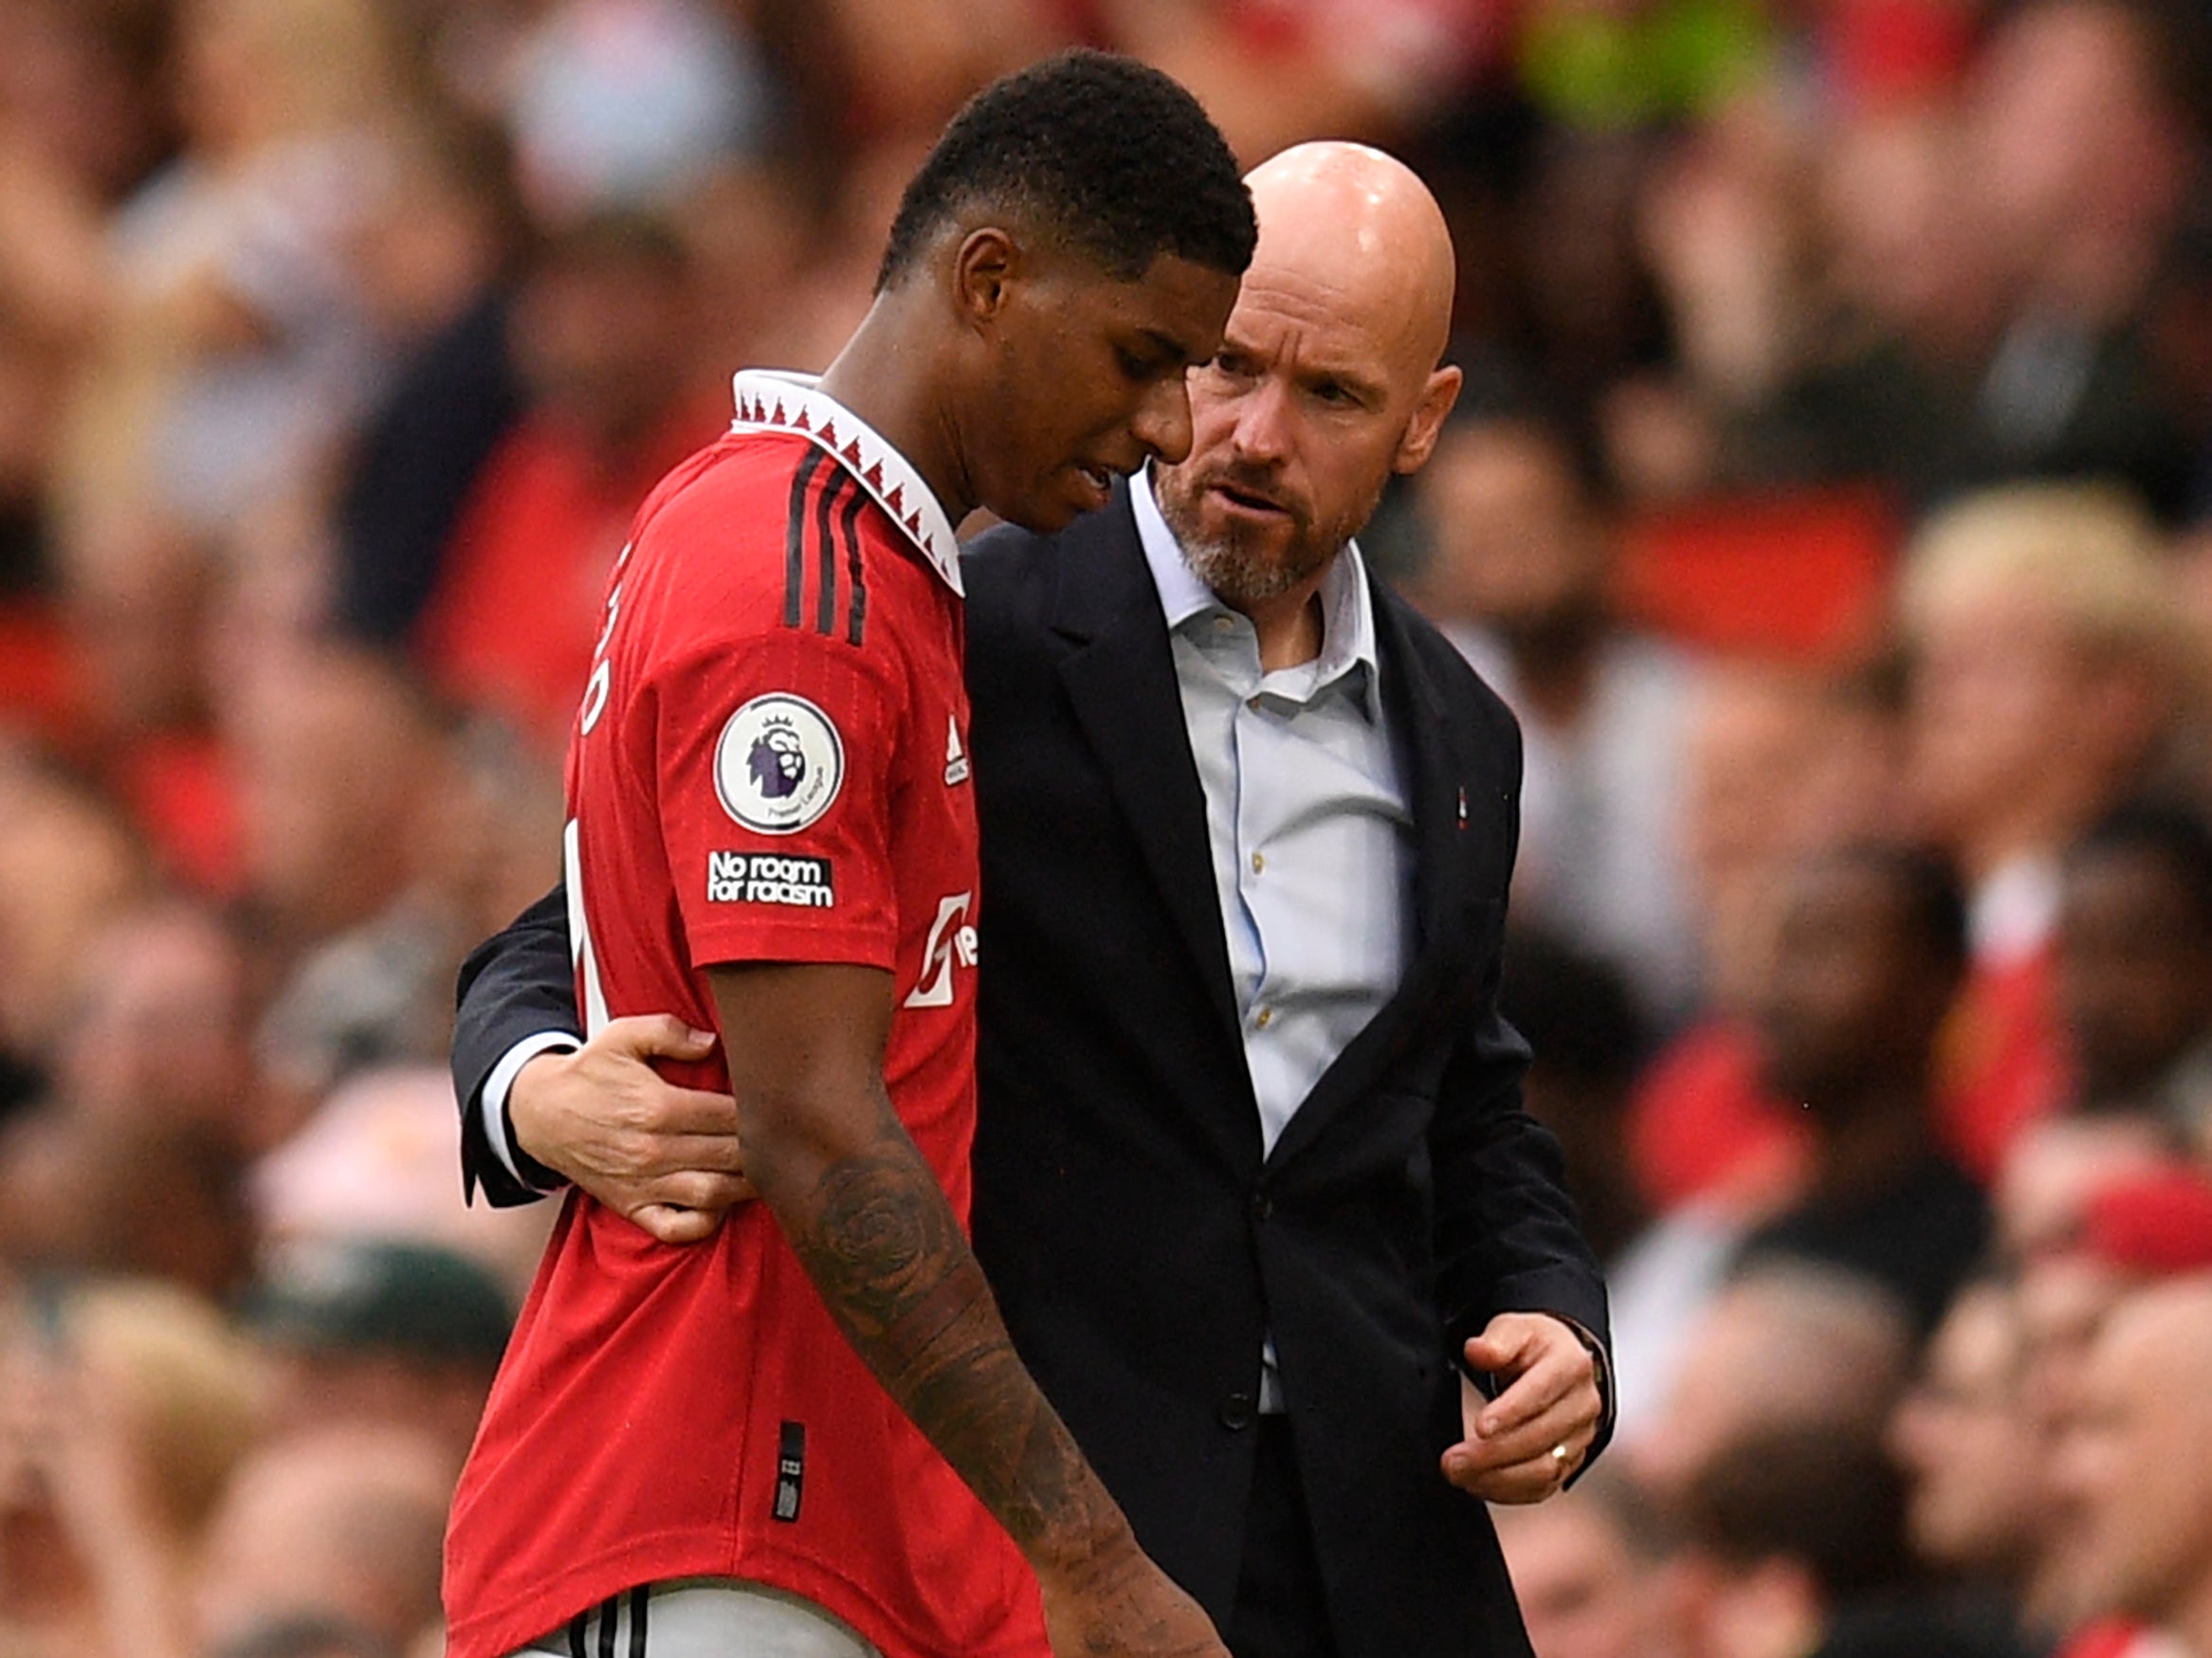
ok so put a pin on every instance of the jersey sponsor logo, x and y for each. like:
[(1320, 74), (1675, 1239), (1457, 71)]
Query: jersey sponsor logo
[(956, 757), (779, 764), (951, 940), (770, 878)]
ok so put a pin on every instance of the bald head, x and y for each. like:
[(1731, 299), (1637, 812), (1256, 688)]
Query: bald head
[(1327, 384), (1361, 225)]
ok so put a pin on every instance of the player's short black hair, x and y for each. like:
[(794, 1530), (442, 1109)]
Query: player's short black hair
[(1109, 152)]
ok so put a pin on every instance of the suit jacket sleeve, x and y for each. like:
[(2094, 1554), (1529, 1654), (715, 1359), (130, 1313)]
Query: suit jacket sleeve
[(1508, 1236), (514, 985)]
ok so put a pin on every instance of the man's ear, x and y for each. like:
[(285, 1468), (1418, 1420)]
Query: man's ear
[(984, 266), (1427, 424)]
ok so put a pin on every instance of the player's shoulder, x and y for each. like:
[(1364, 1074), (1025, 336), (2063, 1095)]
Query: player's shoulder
[(768, 530), (725, 537)]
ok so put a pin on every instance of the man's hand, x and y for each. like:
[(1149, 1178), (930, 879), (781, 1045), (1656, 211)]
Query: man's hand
[(662, 1156), (1122, 1603), (1548, 1397)]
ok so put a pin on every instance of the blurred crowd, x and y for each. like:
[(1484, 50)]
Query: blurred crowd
[(1831, 499)]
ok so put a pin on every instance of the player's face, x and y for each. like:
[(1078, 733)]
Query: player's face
[(1089, 382), (1316, 397)]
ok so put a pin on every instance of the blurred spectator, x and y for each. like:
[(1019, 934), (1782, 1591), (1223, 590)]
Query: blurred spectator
[(128, 1404), (1787, 1531), (239, 351), (67, 864), (345, 1523), (1781, 764), (1588, 1569), (1783, 1344), (1974, 1457), (151, 1071), (2131, 1468), (81, 124), (375, 1159), (2134, 968), (440, 278), (2043, 678), (2056, 1165), (1588, 1039), (345, 770), (1992, 273), (1869, 951), (1519, 578), (2077, 149), (2135, 1230), (627, 102), (603, 335), (373, 1330)]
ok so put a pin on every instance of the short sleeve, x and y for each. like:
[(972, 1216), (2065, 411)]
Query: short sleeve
[(773, 756)]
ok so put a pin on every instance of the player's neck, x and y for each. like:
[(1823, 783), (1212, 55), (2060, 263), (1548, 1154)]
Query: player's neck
[(883, 376)]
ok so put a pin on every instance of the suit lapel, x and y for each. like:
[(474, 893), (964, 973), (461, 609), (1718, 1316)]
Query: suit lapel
[(1437, 772), (1121, 680)]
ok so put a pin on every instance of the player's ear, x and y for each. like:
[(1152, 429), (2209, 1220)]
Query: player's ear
[(983, 268)]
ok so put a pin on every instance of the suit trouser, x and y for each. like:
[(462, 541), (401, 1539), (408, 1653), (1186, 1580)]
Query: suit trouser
[(1280, 1611)]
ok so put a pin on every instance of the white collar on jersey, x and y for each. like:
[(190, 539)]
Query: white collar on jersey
[(773, 400)]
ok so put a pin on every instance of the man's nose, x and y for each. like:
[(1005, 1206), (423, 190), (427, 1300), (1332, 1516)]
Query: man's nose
[(1163, 420), (1262, 430)]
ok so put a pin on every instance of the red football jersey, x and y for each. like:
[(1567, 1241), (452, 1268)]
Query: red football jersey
[(769, 764)]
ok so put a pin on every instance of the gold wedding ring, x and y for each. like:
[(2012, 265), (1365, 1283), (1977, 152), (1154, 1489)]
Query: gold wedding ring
[(1558, 1453)]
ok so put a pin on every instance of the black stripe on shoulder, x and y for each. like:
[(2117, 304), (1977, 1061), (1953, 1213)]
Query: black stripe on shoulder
[(847, 525), (606, 1611), (795, 537), (575, 1637), (825, 601), (638, 1598)]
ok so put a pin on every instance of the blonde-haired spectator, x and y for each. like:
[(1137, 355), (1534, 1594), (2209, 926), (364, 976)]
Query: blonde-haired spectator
[(2045, 671)]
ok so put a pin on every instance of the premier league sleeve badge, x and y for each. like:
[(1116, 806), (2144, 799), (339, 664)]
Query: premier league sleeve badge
[(779, 764)]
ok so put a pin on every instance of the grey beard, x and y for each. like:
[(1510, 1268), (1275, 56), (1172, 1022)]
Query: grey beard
[(1237, 574)]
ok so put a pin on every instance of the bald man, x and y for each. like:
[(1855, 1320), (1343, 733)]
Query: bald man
[(2134, 1467), (1253, 1179)]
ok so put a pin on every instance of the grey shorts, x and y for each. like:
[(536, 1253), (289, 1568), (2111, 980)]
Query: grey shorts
[(705, 1617)]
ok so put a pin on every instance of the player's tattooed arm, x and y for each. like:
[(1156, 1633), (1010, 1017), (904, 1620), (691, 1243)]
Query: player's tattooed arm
[(878, 1237), (881, 1242)]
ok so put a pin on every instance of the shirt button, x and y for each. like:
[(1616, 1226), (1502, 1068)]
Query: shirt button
[(1259, 862), (1222, 624), (1237, 1410), (1264, 1018)]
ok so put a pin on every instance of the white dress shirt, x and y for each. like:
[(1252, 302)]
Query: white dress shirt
[(1308, 820)]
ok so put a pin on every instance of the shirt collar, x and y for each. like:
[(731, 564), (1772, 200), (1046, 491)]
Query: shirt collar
[(1347, 608), (772, 400)]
